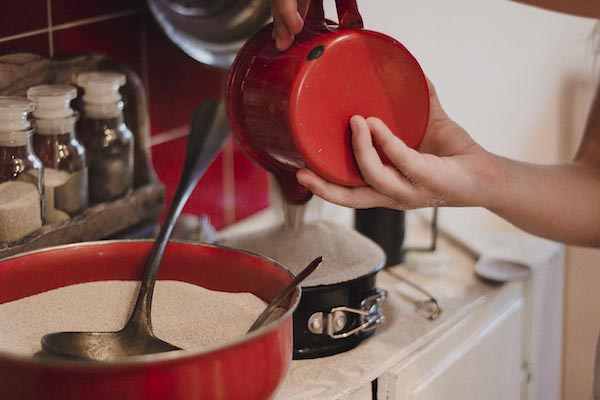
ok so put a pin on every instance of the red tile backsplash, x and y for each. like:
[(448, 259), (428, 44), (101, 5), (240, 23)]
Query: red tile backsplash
[(177, 83), (22, 16), (119, 38), (233, 187), (34, 44), (251, 185), (64, 11), (208, 196)]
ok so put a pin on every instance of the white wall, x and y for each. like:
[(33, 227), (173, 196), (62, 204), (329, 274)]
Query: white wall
[(500, 69), (519, 80)]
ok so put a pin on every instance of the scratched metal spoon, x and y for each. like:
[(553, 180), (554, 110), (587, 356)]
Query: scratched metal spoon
[(207, 135), (285, 292)]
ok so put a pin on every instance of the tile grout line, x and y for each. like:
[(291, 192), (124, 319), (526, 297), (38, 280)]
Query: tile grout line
[(52, 28), (50, 34), (24, 35), (169, 135), (98, 18)]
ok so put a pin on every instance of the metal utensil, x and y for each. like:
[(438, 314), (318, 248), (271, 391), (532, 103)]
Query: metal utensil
[(285, 292), (208, 133), (430, 308), (210, 31)]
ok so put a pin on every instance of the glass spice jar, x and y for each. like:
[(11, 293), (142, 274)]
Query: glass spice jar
[(21, 190), (108, 141), (64, 158)]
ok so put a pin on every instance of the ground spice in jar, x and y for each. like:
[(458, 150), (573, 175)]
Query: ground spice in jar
[(64, 158), (21, 209), (20, 212), (110, 155), (54, 180), (183, 314), (108, 141)]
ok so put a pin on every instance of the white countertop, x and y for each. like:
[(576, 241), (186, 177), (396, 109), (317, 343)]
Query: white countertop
[(405, 331)]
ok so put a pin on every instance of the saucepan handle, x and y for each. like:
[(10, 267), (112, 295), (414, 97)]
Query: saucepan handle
[(348, 14), (347, 10)]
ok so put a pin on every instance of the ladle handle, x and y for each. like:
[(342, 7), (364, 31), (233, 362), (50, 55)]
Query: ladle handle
[(347, 10), (202, 148)]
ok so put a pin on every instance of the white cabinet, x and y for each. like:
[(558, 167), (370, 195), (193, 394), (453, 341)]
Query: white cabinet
[(364, 393), (479, 359)]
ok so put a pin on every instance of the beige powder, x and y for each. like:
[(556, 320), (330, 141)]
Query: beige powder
[(54, 178), (20, 210), (346, 253), (183, 314)]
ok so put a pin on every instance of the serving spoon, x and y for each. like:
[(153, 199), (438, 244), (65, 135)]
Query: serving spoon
[(285, 292), (208, 133)]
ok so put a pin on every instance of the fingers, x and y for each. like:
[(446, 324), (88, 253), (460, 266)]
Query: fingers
[(283, 37), (414, 180), (287, 21), (408, 161), (435, 107), (383, 178), (355, 197)]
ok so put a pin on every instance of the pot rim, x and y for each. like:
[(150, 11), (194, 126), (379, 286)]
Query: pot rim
[(148, 359), (217, 54)]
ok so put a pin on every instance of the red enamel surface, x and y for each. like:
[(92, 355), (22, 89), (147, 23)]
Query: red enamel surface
[(290, 109), (251, 369)]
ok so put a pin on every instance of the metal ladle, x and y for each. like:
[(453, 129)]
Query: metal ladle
[(208, 133), (285, 292)]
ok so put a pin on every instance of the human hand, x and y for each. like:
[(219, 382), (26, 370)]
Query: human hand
[(450, 168), (288, 20)]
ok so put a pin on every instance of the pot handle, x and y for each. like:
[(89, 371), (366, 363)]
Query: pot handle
[(347, 11)]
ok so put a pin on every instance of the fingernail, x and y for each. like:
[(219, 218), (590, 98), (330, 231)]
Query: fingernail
[(280, 43), (354, 121), (299, 24), (300, 179)]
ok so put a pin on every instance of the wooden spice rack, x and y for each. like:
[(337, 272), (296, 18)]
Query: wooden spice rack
[(19, 71)]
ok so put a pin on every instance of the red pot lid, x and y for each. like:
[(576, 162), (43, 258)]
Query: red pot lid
[(354, 72)]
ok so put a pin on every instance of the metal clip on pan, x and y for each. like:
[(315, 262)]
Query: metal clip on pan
[(333, 322)]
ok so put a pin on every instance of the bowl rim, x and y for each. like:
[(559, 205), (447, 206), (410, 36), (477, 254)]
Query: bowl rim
[(152, 359)]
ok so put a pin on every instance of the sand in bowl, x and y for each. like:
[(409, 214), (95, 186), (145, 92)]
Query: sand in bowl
[(183, 314), (346, 253)]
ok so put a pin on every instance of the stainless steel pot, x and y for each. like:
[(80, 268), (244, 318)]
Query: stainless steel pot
[(211, 31)]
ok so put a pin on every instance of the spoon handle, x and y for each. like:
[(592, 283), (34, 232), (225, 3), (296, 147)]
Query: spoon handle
[(285, 293), (208, 133)]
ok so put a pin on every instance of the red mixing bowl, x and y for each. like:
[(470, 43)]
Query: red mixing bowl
[(292, 109), (250, 367)]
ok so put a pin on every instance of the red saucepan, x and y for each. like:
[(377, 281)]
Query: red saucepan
[(249, 368), (292, 109)]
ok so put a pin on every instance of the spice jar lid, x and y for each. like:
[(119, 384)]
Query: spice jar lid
[(52, 101), (101, 87), (14, 113)]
